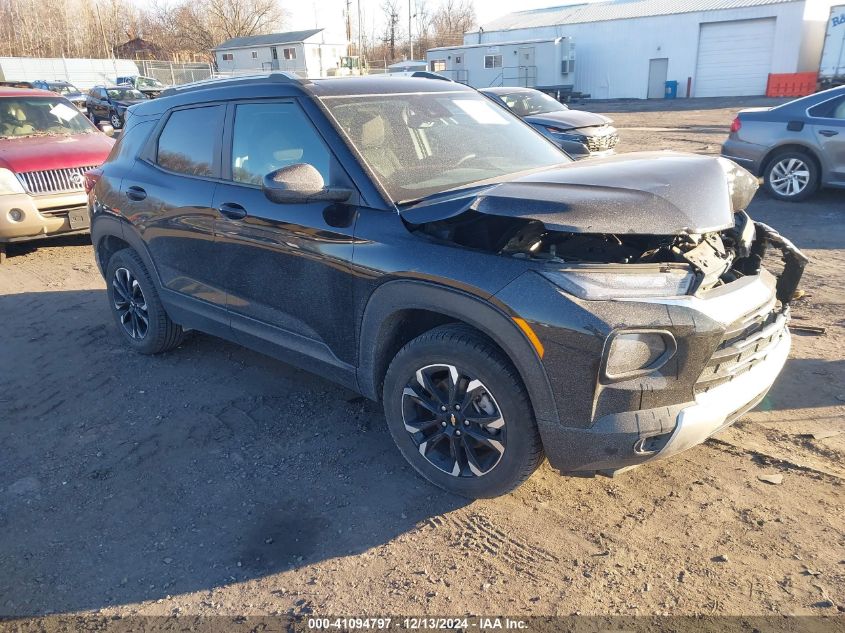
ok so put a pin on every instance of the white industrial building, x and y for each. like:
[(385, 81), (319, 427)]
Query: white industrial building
[(311, 53), (631, 48)]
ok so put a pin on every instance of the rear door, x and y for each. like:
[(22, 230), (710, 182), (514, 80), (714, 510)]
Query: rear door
[(286, 266), (828, 124), (168, 196)]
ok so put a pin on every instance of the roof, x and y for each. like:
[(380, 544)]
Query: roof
[(289, 37), (25, 92), (497, 43), (286, 84), (613, 10)]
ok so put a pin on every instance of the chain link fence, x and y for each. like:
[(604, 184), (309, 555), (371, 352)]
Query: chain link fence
[(175, 73)]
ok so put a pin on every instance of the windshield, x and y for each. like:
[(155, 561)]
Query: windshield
[(63, 89), (421, 144), (125, 94), (528, 102), (41, 117), (148, 82)]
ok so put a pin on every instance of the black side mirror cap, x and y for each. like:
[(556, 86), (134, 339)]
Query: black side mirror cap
[(301, 183)]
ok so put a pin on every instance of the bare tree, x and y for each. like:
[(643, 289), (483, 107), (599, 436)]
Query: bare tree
[(451, 20), (242, 18), (391, 34)]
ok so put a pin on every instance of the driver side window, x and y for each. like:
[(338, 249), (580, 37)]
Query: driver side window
[(269, 136)]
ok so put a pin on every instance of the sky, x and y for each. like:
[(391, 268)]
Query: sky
[(305, 14)]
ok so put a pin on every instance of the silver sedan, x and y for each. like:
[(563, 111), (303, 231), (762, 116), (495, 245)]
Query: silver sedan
[(796, 147)]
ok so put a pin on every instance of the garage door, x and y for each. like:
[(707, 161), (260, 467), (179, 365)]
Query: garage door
[(734, 58)]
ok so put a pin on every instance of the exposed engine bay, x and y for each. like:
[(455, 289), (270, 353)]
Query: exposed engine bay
[(717, 258)]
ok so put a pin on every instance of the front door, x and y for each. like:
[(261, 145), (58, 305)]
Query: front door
[(169, 196), (658, 71), (287, 265), (828, 124)]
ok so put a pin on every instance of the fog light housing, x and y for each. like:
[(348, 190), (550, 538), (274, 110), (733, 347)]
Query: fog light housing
[(16, 215), (633, 353)]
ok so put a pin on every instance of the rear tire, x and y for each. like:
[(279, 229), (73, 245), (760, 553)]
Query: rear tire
[(460, 415), (791, 176), (137, 309)]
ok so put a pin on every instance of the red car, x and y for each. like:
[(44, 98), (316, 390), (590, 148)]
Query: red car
[(46, 146)]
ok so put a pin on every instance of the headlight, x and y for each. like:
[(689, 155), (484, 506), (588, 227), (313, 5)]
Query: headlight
[(595, 284), (9, 183), (742, 185)]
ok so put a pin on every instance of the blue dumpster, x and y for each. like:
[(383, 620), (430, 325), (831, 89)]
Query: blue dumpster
[(671, 90)]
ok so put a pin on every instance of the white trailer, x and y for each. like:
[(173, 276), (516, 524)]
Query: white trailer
[(547, 64), (832, 67)]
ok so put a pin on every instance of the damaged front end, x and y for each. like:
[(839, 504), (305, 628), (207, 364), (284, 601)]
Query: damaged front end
[(666, 315)]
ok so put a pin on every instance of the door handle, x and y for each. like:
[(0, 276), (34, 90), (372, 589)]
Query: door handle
[(232, 210), (828, 132), (136, 193)]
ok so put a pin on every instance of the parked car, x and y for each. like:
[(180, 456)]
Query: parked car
[(66, 89), (16, 84), (415, 242), (150, 86), (796, 147), (109, 103), (46, 145), (580, 134)]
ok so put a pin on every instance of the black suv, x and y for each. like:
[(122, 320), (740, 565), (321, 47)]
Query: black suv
[(109, 103), (415, 242)]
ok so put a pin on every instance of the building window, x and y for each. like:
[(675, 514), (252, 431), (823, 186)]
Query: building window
[(255, 54), (457, 59), (492, 61), (227, 57), (274, 53), (289, 53), (438, 65)]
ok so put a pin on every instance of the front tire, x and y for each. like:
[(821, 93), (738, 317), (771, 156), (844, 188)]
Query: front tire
[(137, 309), (116, 121), (460, 415), (791, 176)]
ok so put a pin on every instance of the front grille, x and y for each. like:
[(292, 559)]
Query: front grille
[(602, 143), (746, 343), (54, 180)]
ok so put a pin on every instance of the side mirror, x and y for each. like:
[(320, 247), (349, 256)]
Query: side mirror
[(300, 183), (106, 129)]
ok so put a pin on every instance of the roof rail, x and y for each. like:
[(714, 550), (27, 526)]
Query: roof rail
[(222, 82)]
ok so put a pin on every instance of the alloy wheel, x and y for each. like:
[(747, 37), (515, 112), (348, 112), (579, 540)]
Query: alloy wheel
[(115, 121), (790, 176), (130, 304), (454, 421)]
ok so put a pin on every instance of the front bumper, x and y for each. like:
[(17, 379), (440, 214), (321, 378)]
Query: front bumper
[(42, 216), (721, 406)]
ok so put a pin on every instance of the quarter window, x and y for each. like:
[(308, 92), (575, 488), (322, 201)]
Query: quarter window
[(833, 109), (492, 61), (187, 143), (269, 136)]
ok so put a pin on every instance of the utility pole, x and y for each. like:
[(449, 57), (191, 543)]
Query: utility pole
[(410, 32), (360, 48), (348, 22)]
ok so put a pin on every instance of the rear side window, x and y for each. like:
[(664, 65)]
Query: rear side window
[(188, 142), (269, 136), (833, 109)]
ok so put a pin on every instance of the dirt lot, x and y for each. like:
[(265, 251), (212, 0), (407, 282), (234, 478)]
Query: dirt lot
[(214, 480)]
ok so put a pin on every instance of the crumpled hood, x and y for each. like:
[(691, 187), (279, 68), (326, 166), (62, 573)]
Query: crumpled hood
[(125, 103), (654, 193), (568, 119)]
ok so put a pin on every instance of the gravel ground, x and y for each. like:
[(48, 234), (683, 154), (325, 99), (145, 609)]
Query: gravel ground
[(214, 480)]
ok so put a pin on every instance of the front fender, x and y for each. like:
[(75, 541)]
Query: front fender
[(492, 319)]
